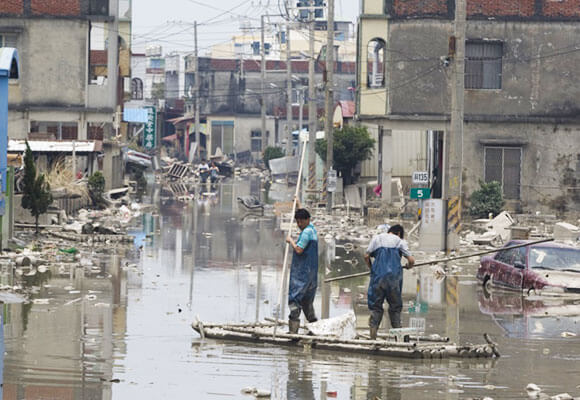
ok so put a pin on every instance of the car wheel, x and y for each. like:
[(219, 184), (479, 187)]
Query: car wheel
[(487, 284)]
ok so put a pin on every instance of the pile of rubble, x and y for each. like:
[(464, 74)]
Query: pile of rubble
[(100, 226), (505, 227), (65, 249)]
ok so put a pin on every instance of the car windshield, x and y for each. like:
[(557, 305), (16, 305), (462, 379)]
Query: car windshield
[(556, 258)]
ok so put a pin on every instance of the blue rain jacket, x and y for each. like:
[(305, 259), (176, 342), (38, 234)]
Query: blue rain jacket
[(304, 268)]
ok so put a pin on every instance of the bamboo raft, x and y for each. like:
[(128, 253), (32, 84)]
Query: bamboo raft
[(418, 347)]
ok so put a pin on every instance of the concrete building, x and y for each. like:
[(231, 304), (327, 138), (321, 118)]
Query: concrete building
[(75, 76), (246, 45), (522, 118), (230, 86)]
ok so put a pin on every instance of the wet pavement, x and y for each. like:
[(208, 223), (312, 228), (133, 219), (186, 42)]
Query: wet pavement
[(122, 330)]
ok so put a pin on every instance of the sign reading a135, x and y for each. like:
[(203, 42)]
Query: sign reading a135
[(421, 177)]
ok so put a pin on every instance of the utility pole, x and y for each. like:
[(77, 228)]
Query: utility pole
[(197, 87), (312, 125), (300, 112), (329, 86), (454, 138), (289, 116), (263, 85)]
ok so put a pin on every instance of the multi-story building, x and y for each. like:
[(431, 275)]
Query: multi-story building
[(521, 103), (75, 58), (247, 45), (231, 87)]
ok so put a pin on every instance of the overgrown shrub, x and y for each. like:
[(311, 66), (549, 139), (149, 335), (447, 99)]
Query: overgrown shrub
[(96, 188), (272, 153), (488, 199)]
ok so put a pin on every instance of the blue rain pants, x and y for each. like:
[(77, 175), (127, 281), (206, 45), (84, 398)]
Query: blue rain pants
[(303, 282), (386, 284)]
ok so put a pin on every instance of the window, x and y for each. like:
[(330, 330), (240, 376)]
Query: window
[(483, 64), (376, 63), (503, 164), (99, 7), (256, 48), (304, 10), (8, 40), (53, 130), (256, 141), (506, 256), (98, 57), (95, 131), (222, 136), (136, 89)]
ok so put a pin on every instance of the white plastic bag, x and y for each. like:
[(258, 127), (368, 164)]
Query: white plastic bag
[(342, 327)]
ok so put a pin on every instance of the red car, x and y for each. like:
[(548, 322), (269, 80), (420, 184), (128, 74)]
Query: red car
[(546, 267)]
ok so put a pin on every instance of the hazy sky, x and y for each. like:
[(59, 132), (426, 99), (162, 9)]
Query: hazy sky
[(170, 22)]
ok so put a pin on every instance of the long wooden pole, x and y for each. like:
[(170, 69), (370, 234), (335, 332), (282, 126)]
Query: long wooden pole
[(287, 249), (424, 263)]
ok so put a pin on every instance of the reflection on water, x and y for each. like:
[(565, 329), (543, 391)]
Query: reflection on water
[(127, 318), (528, 317)]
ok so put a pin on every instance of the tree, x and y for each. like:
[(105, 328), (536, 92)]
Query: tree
[(36, 191), (96, 186), (352, 144), (488, 199), (271, 153)]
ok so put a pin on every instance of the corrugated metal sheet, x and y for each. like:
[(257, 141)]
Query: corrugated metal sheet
[(370, 168), (49, 146), (409, 153)]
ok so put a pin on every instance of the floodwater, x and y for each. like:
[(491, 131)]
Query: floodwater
[(121, 329)]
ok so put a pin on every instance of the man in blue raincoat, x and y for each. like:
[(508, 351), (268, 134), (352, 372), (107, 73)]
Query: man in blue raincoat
[(303, 272), (387, 276)]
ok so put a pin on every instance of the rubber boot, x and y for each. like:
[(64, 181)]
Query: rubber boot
[(293, 326), (395, 320), (373, 332)]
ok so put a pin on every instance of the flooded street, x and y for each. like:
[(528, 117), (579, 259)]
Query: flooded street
[(123, 331)]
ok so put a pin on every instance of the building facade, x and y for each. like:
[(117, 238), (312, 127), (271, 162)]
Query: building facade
[(522, 104), (76, 71)]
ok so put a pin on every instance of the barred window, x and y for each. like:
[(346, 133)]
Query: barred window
[(503, 164), (483, 64), (8, 40)]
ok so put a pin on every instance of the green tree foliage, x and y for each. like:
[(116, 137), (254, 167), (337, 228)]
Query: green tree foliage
[(96, 188), (272, 153), (352, 144), (36, 195), (488, 199)]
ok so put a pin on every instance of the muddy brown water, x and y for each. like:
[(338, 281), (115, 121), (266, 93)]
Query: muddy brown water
[(121, 329)]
